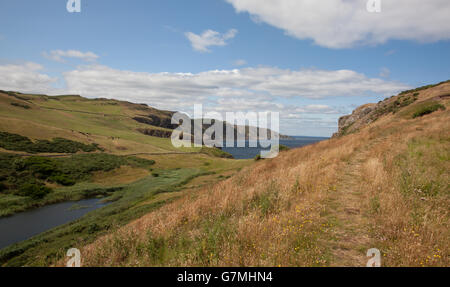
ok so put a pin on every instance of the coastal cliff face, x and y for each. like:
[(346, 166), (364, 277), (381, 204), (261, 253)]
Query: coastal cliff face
[(359, 116), (369, 113)]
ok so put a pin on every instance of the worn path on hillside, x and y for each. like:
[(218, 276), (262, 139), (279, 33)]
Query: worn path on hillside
[(345, 205)]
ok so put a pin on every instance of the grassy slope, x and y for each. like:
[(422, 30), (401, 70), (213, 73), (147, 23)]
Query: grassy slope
[(81, 120), (108, 123), (385, 186)]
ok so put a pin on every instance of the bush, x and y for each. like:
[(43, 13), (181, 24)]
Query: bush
[(63, 180), (21, 105), (283, 148), (40, 167), (57, 145), (34, 191), (428, 109)]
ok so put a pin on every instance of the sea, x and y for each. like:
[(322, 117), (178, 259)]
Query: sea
[(248, 152)]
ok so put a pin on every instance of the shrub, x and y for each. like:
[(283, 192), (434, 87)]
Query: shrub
[(57, 145), (283, 148), (41, 167), (423, 88), (34, 191), (63, 180), (21, 105), (14, 142), (428, 109)]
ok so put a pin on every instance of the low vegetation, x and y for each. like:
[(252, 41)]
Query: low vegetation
[(216, 152), (427, 108), (423, 88), (17, 142), (25, 181), (387, 107), (27, 107)]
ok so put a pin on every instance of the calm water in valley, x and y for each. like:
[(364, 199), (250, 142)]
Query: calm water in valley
[(27, 224)]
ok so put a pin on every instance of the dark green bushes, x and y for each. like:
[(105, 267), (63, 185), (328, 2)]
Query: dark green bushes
[(26, 176), (57, 145), (35, 191), (27, 107), (395, 106), (427, 108), (63, 179)]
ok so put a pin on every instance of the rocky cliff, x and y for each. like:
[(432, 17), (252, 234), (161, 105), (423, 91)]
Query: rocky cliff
[(369, 113)]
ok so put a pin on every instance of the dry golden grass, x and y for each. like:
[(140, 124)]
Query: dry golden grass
[(385, 187), (122, 175)]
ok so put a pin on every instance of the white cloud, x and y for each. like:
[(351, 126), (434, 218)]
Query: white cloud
[(299, 95), (60, 55), (346, 23), (170, 90), (26, 78), (238, 90), (240, 63), (209, 38)]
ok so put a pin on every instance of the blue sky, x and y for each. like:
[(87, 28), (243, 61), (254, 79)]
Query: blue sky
[(264, 59)]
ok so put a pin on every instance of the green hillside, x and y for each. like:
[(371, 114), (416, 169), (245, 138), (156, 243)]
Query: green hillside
[(67, 148)]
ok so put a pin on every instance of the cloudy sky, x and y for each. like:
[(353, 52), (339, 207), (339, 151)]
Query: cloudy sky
[(310, 60)]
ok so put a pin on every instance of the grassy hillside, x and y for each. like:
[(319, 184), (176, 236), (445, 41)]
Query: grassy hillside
[(383, 184), (108, 123), (67, 148)]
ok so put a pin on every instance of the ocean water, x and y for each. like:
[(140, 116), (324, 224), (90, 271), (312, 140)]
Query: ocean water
[(250, 152)]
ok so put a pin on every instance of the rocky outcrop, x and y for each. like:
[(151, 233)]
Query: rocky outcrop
[(369, 113), (156, 133), (359, 117), (156, 121)]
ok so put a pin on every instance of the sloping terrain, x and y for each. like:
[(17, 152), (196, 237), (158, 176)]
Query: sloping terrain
[(108, 123), (67, 148), (383, 183)]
